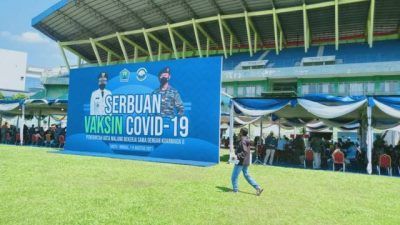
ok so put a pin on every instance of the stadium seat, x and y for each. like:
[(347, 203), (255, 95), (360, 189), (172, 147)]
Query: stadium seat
[(385, 162)]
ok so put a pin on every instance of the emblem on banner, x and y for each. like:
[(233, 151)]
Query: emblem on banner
[(141, 74), (124, 75)]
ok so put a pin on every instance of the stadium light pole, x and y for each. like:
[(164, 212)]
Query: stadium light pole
[(121, 43), (337, 25), (221, 30), (146, 38), (246, 17), (96, 52)]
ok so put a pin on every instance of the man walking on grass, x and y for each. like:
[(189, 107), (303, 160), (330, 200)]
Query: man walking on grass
[(242, 163)]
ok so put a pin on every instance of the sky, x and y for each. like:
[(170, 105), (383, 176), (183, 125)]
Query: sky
[(16, 32)]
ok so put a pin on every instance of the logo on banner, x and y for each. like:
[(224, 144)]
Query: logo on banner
[(141, 74), (124, 75)]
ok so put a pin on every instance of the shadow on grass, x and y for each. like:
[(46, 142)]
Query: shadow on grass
[(226, 189)]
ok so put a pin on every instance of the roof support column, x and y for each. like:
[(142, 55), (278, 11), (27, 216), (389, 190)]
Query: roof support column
[(146, 38), (248, 32), (255, 42), (171, 36), (197, 38), (79, 62), (121, 43), (305, 28), (184, 50), (221, 30), (96, 52), (159, 51), (108, 58), (230, 44), (280, 40), (370, 25), (64, 55), (135, 54), (133, 44), (337, 25), (274, 16), (208, 47)]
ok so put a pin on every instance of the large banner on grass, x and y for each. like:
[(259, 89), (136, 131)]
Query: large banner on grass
[(166, 109)]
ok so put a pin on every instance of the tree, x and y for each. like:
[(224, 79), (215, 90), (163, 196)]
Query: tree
[(19, 96), (1, 95)]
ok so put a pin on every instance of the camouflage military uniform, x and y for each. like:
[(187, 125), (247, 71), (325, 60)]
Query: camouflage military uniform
[(170, 101)]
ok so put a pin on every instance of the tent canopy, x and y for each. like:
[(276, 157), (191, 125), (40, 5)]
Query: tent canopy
[(332, 110)]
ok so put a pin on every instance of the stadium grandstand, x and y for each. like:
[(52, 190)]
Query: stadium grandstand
[(270, 48)]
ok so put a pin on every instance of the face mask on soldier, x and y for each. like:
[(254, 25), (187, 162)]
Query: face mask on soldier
[(163, 80)]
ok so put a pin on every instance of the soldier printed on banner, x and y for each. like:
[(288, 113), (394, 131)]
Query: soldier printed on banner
[(97, 100), (171, 102)]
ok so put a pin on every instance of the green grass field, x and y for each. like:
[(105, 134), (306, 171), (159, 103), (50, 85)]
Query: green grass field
[(37, 187)]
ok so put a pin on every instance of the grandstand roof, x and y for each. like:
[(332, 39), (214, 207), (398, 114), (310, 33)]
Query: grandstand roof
[(97, 30)]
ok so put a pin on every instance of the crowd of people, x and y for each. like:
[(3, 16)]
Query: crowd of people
[(53, 136), (274, 149)]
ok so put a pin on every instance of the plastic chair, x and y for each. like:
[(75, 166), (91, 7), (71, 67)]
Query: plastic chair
[(338, 158), (398, 168), (17, 138), (61, 141), (48, 140), (34, 139), (8, 138), (259, 149), (385, 162), (308, 157)]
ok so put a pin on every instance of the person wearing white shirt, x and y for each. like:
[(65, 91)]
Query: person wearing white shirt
[(97, 100)]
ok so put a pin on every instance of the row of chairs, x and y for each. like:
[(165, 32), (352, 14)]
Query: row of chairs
[(35, 140), (338, 158)]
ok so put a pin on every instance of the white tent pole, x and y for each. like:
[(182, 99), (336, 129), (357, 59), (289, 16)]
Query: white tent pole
[(21, 125), (369, 140), (231, 118), (261, 129)]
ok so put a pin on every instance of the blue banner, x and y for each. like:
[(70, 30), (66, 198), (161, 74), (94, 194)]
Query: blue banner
[(166, 109)]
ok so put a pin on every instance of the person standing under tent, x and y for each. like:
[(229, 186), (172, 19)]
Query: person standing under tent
[(317, 147), (281, 145), (270, 144), (242, 163), (4, 131)]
